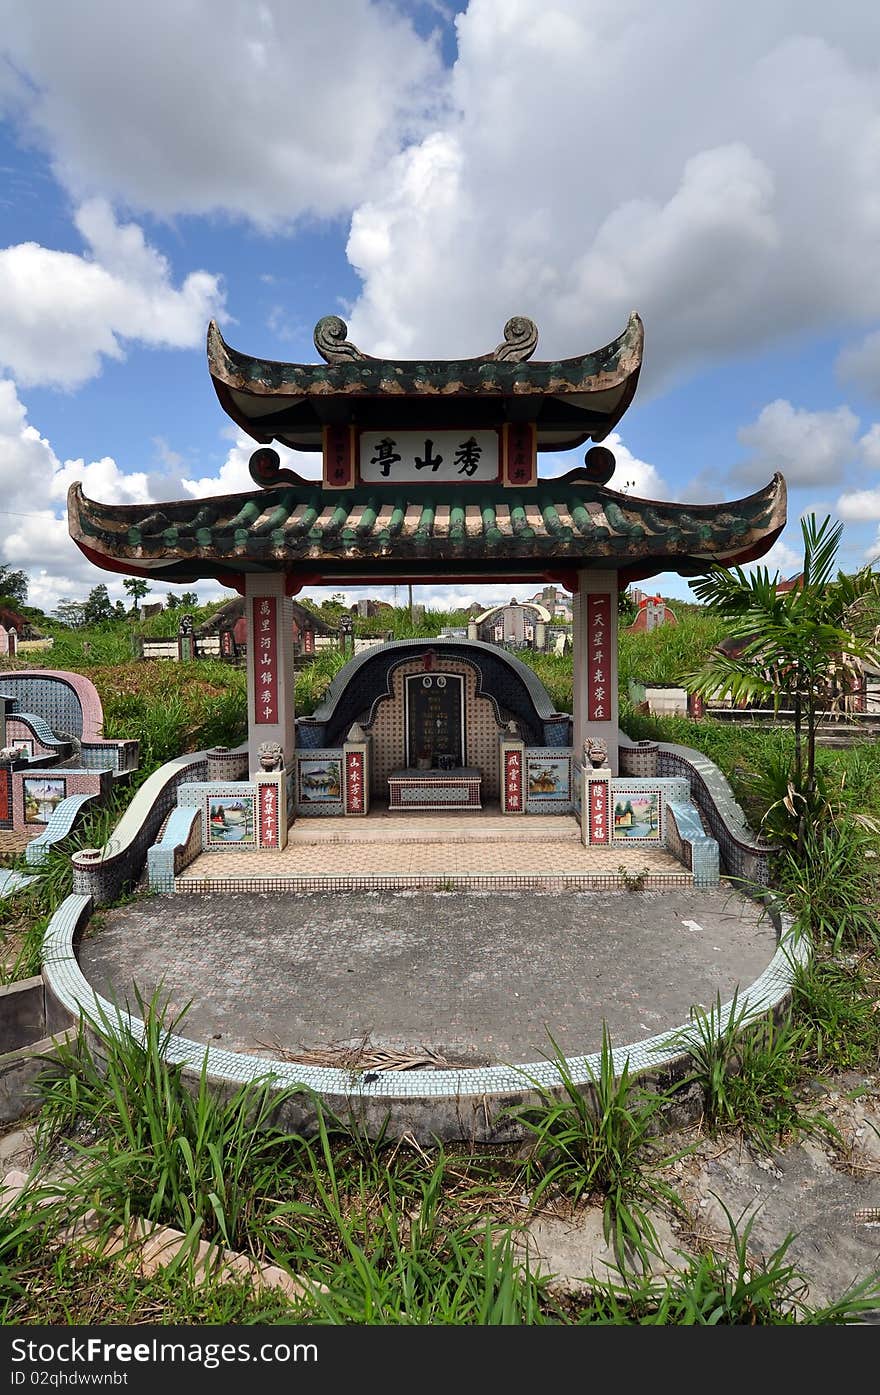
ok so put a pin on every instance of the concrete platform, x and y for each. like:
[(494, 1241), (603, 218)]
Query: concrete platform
[(479, 977)]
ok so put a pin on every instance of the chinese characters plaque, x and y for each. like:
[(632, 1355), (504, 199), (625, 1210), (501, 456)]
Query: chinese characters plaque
[(338, 457), (354, 782), (600, 831), (434, 717), (513, 790), (268, 814), (599, 694), (417, 457), (520, 453), (265, 660)]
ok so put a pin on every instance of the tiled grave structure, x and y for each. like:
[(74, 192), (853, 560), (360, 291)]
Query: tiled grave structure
[(430, 473), (54, 758)]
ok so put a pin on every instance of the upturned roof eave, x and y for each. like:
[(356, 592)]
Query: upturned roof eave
[(230, 535), (599, 370)]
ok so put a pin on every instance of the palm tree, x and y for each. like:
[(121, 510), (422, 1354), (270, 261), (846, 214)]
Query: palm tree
[(807, 641)]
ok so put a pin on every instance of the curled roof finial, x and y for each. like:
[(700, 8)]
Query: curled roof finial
[(520, 340), (331, 340)]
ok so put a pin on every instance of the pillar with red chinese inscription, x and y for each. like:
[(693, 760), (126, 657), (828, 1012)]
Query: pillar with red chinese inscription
[(513, 764), (272, 809), (270, 676), (594, 645), (356, 772), (596, 808)]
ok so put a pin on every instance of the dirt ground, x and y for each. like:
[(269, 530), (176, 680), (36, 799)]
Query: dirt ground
[(826, 1196)]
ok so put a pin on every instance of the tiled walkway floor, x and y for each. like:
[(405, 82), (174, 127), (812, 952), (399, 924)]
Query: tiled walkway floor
[(406, 847), (11, 843)]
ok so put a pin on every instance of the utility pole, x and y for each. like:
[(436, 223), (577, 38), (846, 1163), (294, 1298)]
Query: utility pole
[(409, 603)]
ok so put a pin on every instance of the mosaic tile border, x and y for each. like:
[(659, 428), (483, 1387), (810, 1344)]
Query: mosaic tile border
[(66, 981), (463, 881)]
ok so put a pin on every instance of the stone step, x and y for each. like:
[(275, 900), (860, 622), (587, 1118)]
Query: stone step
[(410, 829)]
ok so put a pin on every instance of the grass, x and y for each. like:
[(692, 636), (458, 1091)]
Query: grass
[(385, 1233), (834, 1002), (729, 1288), (748, 1073), (152, 1147), (832, 891), (599, 1141)]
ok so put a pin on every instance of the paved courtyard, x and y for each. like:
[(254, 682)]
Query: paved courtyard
[(479, 977), (322, 852)]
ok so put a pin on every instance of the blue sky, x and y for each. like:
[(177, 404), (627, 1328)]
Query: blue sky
[(427, 171)]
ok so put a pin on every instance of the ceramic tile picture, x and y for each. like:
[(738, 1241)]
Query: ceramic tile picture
[(231, 819), (320, 781), (637, 814)]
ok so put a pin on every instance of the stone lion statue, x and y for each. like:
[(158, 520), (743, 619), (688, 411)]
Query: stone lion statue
[(271, 755)]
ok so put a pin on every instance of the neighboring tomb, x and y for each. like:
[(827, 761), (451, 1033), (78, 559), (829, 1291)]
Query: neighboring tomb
[(652, 613), (53, 757)]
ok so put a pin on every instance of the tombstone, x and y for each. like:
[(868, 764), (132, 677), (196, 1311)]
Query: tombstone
[(186, 643), (4, 641), (227, 644), (13, 643)]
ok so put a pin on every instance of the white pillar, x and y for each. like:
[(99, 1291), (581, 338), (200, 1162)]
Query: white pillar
[(594, 661), (270, 676)]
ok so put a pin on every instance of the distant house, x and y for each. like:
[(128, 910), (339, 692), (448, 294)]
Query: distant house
[(11, 620), (555, 600)]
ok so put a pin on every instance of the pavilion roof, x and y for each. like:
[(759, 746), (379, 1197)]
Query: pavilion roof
[(368, 534), (570, 400)]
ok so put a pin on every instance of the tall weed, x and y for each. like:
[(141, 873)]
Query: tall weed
[(600, 1141)]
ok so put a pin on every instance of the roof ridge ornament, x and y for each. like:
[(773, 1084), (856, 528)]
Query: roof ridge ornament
[(331, 341), (520, 340)]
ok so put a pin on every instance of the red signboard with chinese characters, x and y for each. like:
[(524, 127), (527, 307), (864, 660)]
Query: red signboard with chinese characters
[(597, 793), (513, 787), (599, 695), (268, 815), (520, 454), (338, 457), (5, 796), (265, 660), (354, 782)]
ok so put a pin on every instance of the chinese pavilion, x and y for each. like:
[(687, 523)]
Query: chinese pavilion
[(430, 472)]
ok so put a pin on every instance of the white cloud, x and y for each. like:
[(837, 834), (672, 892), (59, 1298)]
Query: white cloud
[(715, 166), (34, 535), (265, 111), (869, 446), (859, 505), (233, 477), (631, 475), (781, 558), (808, 447), (61, 313), (859, 365)]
